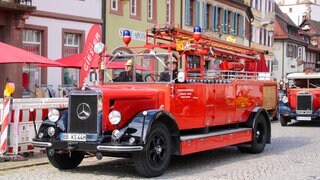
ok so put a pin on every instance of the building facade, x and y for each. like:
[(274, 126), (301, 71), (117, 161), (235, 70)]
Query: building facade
[(53, 29), (218, 18), (298, 10), (137, 16), (310, 29), (249, 23), (262, 28), (289, 46)]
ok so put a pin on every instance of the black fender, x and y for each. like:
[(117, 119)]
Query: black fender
[(60, 124), (139, 130), (253, 117)]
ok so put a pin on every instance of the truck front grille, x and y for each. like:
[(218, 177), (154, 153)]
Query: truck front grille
[(304, 104), (83, 113)]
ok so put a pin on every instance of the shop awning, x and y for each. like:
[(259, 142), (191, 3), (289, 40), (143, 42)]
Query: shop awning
[(10, 54)]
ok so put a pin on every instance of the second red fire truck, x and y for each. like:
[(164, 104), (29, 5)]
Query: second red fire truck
[(216, 99)]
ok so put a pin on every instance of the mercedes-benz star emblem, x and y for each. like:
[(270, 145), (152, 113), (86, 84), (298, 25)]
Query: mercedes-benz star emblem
[(83, 111)]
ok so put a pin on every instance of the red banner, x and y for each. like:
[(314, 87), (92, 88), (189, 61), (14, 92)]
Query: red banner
[(89, 55)]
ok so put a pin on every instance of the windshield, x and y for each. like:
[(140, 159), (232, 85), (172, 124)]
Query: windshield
[(137, 68), (304, 83)]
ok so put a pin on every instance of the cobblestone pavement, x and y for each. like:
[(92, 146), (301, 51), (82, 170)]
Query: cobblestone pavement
[(293, 154)]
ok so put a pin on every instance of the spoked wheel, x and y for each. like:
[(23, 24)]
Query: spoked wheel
[(66, 160), (155, 158), (259, 139)]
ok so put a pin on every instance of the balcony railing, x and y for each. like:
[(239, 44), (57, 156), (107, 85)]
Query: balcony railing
[(24, 2)]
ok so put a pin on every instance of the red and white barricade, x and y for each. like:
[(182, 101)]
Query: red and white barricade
[(4, 117), (21, 127)]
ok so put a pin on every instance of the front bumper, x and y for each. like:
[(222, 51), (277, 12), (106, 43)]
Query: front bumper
[(286, 111), (87, 146), (302, 117)]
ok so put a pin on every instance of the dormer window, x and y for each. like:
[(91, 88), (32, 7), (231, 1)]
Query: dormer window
[(305, 27)]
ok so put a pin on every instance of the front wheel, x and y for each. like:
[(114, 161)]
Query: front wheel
[(259, 139), (66, 160), (155, 158)]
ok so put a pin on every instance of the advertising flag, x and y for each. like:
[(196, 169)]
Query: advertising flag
[(89, 56)]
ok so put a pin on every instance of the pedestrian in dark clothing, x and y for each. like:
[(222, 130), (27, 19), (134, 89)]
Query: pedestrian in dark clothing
[(172, 66), (127, 75)]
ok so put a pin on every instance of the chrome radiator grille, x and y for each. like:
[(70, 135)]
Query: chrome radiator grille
[(304, 103), (83, 113)]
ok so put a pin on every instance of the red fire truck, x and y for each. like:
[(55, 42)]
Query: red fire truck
[(301, 97), (216, 99)]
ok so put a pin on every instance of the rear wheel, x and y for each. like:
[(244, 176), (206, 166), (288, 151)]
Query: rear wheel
[(259, 139), (66, 160), (155, 158)]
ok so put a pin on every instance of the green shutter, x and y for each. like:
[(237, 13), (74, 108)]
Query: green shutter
[(197, 13), (225, 21), (204, 15), (187, 12), (235, 23)]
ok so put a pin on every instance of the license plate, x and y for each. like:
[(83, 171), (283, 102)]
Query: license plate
[(304, 118), (73, 137)]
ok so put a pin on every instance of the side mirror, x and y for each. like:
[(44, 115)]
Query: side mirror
[(181, 77)]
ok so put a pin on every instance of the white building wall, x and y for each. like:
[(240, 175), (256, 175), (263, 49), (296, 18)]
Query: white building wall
[(296, 11), (278, 68), (86, 9), (285, 64)]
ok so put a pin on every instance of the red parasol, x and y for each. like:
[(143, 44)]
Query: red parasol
[(262, 65), (75, 61), (10, 54)]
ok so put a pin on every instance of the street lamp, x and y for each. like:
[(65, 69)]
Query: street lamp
[(270, 33)]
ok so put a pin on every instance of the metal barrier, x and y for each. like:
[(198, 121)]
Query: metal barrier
[(23, 113)]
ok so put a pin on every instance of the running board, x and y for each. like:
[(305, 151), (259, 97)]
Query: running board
[(202, 142)]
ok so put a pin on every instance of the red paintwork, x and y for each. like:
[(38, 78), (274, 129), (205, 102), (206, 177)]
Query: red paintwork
[(194, 105), (292, 96), (203, 144)]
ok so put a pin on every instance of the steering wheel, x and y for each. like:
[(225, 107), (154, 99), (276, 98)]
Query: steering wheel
[(153, 77)]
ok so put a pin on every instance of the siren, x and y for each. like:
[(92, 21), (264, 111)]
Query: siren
[(197, 33), (126, 38)]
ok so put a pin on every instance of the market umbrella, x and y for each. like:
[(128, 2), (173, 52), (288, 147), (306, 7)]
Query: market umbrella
[(262, 65), (10, 54), (75, 61)]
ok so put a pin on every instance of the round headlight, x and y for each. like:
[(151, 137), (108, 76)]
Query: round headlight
[(98, 47), (53, 115), (114, 117), (284, 99), (40, 135), (116, 134), (51, 131)]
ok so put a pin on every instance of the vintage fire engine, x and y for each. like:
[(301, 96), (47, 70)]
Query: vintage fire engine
[(301, 98), (216, 99)]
